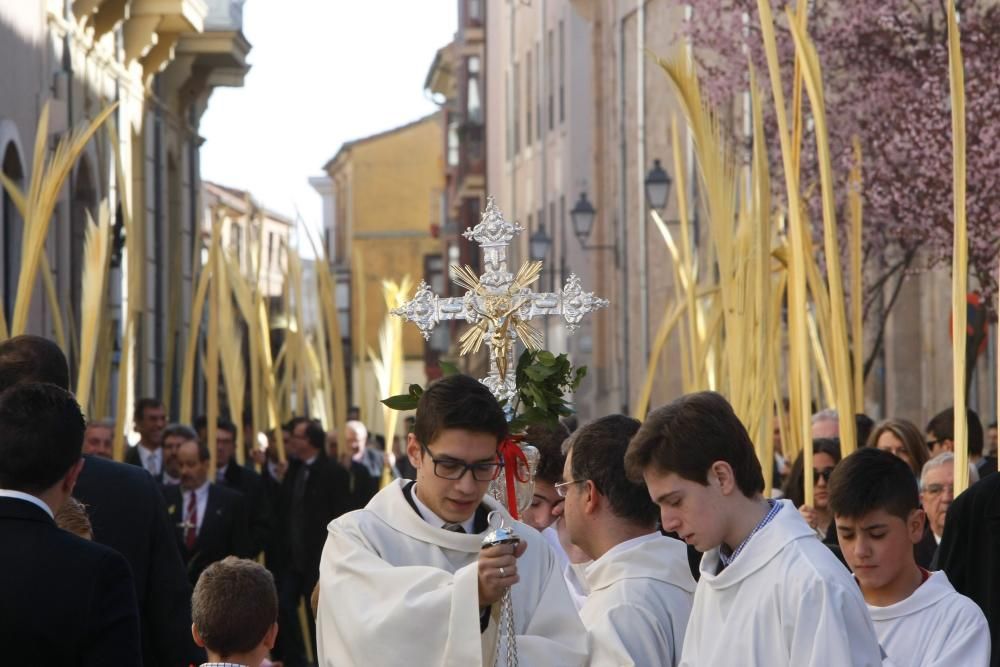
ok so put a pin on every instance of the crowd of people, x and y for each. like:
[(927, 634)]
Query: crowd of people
[(645, 543)]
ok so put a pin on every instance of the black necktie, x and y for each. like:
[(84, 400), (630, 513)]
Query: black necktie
[(454, 527)]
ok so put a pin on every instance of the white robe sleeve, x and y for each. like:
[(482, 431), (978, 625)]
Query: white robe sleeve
[(626, 636), (968, 643), (831, 627), (372, 613), (555, 635)]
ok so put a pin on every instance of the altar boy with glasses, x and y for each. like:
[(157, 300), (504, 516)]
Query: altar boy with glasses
[(406, 580)]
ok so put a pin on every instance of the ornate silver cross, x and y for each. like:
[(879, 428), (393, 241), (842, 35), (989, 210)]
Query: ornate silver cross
[(498, 304)]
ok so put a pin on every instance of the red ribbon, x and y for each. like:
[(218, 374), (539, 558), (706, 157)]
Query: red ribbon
[(513, 459)]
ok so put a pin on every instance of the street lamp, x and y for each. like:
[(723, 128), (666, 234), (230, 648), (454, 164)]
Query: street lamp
[(539, 244), (658, 184), (583, 215)]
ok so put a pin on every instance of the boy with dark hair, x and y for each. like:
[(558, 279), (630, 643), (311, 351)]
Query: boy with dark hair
[(544, 502), (408, 575), (234, 612), (770, 593), (919, 617), (640, 585)]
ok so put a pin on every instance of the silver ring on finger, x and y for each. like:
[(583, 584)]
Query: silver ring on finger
[(502, 573)]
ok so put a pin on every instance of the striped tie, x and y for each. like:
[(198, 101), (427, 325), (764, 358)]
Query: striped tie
[(454, 527)]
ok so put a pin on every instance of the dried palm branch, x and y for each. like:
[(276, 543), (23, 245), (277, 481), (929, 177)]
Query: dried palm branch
[(96, 255), (839, 348), (960, 253), (37, 205)]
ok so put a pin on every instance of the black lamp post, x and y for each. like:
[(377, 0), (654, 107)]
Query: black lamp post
[(658, 184), (583, 215), (539, 244)]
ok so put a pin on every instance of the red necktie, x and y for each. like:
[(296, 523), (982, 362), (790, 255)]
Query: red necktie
[(192, 522)]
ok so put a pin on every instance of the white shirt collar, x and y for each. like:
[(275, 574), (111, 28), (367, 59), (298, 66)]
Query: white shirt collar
[(34, 500), (430, 517), (312, 459), (170, 480), (201, 492), (149, 451)]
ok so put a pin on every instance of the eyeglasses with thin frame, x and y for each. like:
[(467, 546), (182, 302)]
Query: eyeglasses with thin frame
[(562, 488), (936, 489), (453, 470)]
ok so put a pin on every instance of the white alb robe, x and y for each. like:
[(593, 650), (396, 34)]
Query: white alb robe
[(784, 600), (640, 599), (395, 590), (935, 627)]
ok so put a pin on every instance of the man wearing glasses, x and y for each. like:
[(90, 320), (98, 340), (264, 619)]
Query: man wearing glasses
[(406, 580)]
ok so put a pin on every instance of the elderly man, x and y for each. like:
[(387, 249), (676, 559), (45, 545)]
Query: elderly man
[(365, 463), (825, 424), (937, 490), (98, 437)]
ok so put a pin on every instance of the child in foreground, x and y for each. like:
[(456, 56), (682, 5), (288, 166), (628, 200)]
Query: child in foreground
[(919, 617)]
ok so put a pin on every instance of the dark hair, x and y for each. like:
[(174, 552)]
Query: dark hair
[(203, 452), (598, 450), (863, 425), (295, 421), (909, 435), (458, 401), (42, 431), (32, 359), (688, 435), (315, 435), (233, 606), (182, 430), (549, 441), (870, 480), (943, 427), (571, 422), (144, 404), (794, 488), (223, 424)]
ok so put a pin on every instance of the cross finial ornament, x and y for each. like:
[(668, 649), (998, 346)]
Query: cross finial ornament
[(499, 305)]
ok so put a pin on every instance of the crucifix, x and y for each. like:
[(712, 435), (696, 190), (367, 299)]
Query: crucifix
[(499, 305)]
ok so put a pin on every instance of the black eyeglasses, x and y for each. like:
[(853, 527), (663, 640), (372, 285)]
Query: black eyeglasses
[(454, 470), (824, 473)]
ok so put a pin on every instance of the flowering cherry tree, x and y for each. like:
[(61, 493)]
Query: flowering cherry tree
[(885, 69)]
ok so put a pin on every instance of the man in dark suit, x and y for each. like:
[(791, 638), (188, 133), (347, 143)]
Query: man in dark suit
[(150, 419), (970, 551), (315, 491), (240, 478), (127, 513), (211, 520), (65, 600)]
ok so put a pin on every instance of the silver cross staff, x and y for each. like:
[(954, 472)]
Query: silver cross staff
[(500, 305)]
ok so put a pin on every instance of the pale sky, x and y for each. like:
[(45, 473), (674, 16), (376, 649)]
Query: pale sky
[(323, 72)]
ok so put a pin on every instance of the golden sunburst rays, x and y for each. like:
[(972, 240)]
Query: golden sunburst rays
[(527, 274), (499, 313), (464, 276), (472, 339)]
